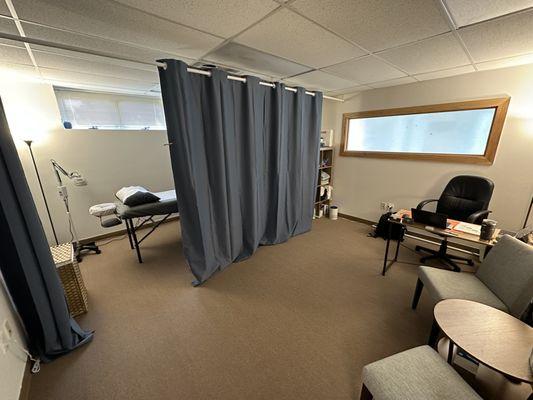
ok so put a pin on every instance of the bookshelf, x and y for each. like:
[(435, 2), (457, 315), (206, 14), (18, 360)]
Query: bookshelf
[(325, 168)]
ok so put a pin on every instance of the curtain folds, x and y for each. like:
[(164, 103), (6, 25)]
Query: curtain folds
[(26, 263), (245, 163)]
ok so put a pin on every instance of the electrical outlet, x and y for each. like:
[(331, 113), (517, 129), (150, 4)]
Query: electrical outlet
[(386, 206)]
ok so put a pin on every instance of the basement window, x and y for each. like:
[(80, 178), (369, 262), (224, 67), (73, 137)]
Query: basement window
[(466, 132), (109, 111)]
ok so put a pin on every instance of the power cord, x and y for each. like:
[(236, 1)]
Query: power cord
[(36, 361)]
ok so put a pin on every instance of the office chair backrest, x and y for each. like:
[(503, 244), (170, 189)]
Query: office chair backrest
[(464, 195), (508, 272)]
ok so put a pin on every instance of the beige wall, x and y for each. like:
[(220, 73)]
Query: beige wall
[(12, 363), (362, 183), (107, 159)]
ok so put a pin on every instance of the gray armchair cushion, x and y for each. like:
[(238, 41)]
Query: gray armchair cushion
[(443, 284), (416, 374), (508, 272)]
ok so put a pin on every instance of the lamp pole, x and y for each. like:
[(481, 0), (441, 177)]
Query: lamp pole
[(29, 142), (528, 212)]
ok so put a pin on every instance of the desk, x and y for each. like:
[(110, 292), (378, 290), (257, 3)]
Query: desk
[(452, 233), (493, 337)]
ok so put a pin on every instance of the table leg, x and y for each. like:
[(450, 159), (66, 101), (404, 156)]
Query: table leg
[(450, 351), (387, 250), (434, 334), (397, 250), (482, 252)]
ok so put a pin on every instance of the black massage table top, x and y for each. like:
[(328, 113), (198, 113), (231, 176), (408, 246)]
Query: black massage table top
[(167, 204)]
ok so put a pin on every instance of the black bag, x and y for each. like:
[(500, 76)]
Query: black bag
[(382, 229)]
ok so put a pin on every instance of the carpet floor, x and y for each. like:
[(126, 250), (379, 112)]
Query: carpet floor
[(298, 320)]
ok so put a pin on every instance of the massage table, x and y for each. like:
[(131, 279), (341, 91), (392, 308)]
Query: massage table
[(167, 205)]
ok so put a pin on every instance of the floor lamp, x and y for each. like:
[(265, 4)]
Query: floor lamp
[(29, 142)]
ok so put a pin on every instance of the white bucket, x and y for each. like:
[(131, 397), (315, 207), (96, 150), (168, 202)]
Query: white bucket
[(333, 213)]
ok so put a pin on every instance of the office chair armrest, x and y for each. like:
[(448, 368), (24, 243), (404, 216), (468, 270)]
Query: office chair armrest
[(423, 203), (472, 218)]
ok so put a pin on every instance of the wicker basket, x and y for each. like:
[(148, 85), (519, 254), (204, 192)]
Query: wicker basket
[(70, 275)]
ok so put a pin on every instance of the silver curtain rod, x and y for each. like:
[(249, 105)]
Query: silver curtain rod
[(77, 49)]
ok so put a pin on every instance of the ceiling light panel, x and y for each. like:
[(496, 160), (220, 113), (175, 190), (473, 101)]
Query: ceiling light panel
[(302, 40), (110, 20), (235, 55), (206, 14), (318, 80), (377, 24)]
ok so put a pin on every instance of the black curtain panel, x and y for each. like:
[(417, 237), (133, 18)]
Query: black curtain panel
[(245, 163), (26, 263)]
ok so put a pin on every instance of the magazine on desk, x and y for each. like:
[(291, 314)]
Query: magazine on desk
[(466, 227)]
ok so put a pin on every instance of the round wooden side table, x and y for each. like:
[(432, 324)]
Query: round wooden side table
[(493, 337)]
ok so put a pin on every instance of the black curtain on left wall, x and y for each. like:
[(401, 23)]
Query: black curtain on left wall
[(26, 263)]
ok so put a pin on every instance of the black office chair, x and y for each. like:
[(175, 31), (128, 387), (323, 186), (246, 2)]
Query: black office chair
[(465, 198)]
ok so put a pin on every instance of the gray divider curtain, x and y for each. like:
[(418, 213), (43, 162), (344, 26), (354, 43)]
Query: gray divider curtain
[(245, 163), (26, 263)]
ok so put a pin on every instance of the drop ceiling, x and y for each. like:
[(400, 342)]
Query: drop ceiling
[(337, 46)]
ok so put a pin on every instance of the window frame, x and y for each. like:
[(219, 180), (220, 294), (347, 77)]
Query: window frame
[(500, 104), (115, 97)]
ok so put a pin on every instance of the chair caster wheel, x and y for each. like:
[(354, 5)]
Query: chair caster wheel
[(98, 251), (470, 262)]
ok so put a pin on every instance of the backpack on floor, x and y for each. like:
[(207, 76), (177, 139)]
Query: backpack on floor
[(382, 229)]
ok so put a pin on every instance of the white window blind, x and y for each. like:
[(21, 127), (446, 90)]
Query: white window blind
[(95, 110)]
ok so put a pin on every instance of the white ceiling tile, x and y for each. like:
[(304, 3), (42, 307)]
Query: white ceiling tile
[(236, 55), (89, 80), (26, 70), (3, 9), (466, 12), (111, 20), (350, 90), (8, 26), (365, 70), (392, 82), (500, 38), (376, 24), (506, 62), (465, 69), (318, 80), (436, 53), (13, 54), (56, 61), (293, 37), (89, 42), (224, 18)]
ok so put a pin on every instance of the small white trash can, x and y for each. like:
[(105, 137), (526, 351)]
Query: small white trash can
[(333, 213)]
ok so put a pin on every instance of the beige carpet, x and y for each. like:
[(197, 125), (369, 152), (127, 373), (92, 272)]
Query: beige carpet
[(296, 321)]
